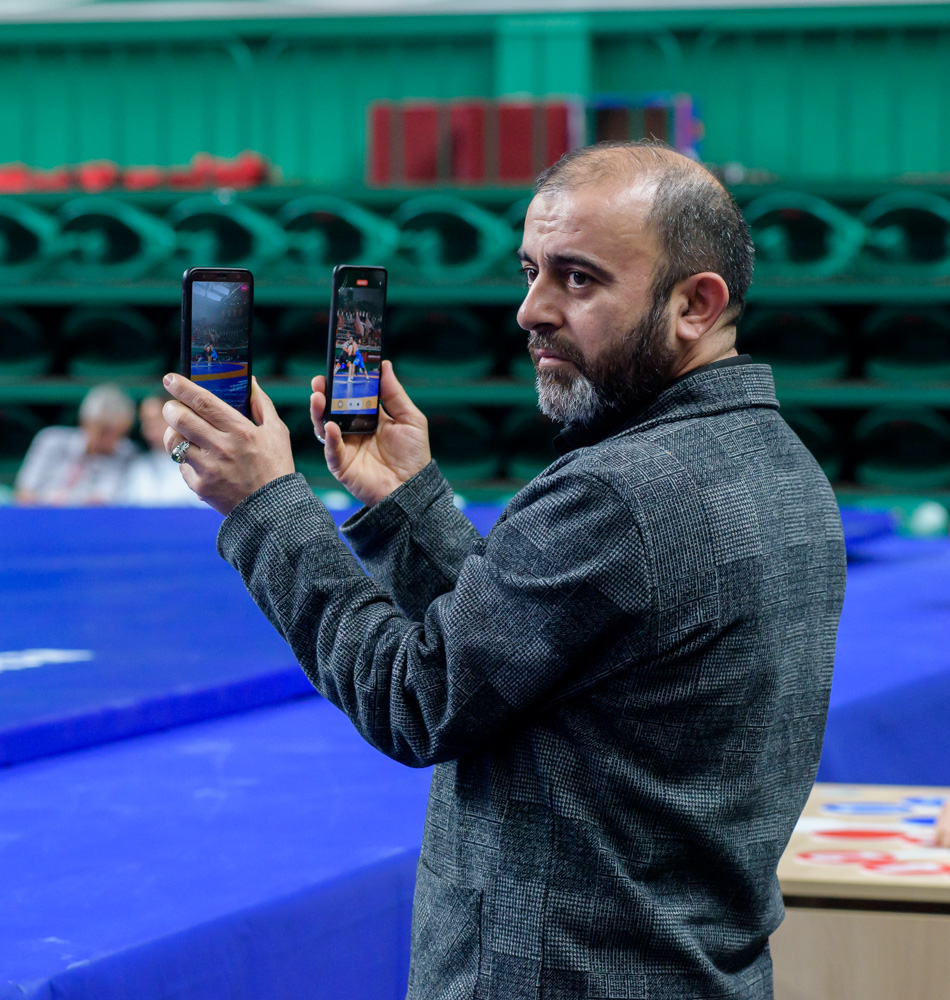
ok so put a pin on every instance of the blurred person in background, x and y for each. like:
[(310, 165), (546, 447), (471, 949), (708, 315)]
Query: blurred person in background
[(85, 465), (151, 480)]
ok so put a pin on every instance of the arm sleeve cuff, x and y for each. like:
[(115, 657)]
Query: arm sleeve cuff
[(404, 506), (273, 505)]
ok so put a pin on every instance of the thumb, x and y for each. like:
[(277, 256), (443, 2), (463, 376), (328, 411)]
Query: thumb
[(394, 397), (262, 409), (334, 451)]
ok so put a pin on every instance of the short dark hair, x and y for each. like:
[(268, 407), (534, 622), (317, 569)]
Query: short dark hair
[(696, 220)]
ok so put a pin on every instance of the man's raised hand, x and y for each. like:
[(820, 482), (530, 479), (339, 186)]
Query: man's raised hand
[(371, 466), (229, 457)]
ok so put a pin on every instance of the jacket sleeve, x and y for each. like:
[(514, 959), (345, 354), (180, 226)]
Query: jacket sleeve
[(414, 541), (552, 601)]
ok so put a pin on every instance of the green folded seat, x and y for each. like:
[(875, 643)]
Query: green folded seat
[(907, 235), (115, 343), (323, 230), (907, 344), (447, 239), (799, 235), (799, 343), (439, 345), (26, 349), (903, 448)]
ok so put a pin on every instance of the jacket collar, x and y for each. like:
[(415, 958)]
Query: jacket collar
[(708, 390)]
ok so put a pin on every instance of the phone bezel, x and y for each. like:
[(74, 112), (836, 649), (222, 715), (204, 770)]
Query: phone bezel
[(225, 274), (346, 422)]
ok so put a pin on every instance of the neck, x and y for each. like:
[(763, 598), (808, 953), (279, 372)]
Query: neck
[(704, 354)]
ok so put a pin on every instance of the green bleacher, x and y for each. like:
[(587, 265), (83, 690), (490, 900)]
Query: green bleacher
[(831, 125)]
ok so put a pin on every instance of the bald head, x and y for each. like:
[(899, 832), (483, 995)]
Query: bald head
[(624, 163), (697, 223)]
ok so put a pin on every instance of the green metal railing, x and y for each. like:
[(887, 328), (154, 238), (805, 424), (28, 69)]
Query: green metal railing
[(896, 241)]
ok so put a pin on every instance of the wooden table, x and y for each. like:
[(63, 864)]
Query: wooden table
[(867, 898)]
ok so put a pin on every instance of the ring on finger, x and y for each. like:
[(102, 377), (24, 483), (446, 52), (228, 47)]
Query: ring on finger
[(317, 436), (179, 451)]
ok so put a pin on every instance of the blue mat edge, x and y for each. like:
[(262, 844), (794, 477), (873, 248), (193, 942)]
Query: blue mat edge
[(327, 925), (64, 733)]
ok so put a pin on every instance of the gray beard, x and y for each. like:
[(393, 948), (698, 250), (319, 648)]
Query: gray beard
[(636, 373), (575, 402)]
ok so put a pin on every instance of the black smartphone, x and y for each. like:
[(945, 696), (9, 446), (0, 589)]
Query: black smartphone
[(217, 305), (355, 347)]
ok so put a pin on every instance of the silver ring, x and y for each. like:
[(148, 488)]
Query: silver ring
[(317, 436), (178, 452)]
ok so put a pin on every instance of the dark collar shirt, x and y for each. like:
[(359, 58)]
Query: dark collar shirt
[(623, 689)]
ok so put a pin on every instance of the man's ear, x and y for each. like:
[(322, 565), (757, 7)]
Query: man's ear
[(699, 302)]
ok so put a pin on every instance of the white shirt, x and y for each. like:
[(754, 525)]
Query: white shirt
[(154, 480), (59, 472)]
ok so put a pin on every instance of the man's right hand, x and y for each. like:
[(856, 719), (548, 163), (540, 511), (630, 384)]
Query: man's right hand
[(371, 466)]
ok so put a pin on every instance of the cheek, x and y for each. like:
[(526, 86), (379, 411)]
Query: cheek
[(597, 326)]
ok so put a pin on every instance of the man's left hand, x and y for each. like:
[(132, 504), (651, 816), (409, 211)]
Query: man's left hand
[(229, 456)]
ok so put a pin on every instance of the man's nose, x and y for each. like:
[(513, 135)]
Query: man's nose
[(539, 308)]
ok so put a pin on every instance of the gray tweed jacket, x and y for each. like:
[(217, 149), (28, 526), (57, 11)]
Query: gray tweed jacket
[(623, 689)]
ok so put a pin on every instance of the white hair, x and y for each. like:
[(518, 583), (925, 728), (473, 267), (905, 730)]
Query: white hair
[(106, 403)]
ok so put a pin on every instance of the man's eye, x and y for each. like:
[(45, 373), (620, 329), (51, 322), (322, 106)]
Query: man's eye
[(578, 279), (529, 274)]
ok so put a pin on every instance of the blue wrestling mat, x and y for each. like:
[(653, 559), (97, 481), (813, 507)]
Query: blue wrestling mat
[(117, 622), (890, 701), (862, 526), (265, 855), (272, 853)]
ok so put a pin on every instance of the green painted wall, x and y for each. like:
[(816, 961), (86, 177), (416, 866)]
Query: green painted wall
[(842, 104), (841, 94)]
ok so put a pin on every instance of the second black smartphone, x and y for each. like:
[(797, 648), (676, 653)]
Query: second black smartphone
[(355, 347), (217, 305)]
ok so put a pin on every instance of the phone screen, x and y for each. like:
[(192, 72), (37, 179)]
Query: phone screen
[(221, 339), (356, 344)]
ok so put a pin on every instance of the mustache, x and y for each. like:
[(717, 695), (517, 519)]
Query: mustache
[(552, 342)]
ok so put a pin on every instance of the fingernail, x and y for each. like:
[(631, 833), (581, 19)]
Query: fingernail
[(167, 381)]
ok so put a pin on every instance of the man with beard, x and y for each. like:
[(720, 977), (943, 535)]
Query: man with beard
[(623, 687)]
